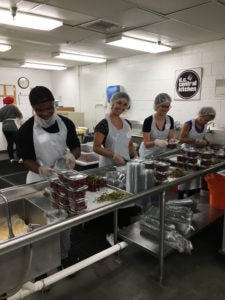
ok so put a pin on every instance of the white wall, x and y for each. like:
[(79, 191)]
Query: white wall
[(143, 77), (146, 75), (10, 76)]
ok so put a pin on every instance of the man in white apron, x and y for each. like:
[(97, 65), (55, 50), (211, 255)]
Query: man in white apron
[(45, 138)]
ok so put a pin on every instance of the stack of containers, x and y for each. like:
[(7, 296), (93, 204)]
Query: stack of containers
[(68, 191)]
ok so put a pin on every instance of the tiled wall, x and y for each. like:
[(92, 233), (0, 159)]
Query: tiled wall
[(146, 75)]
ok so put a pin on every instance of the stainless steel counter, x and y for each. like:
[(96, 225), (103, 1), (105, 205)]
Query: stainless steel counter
[(35, 194)]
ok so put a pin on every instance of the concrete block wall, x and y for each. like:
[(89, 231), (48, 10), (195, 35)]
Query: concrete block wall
[(145, 75)]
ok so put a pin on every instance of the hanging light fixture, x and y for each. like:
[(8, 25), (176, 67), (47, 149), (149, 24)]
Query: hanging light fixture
[(15, 18), (79, 57), (137, 44), (43, 66)]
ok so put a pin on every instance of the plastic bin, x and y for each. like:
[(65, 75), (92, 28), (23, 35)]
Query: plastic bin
[(216, 185)]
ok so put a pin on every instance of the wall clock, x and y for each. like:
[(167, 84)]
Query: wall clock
[(23, 82)]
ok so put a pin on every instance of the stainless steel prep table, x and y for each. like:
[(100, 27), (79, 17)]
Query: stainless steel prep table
[(34, 193)]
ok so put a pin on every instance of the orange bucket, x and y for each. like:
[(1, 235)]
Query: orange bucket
[(216, 186)]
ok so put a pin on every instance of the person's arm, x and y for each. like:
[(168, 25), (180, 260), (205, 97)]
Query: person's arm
[(98, 145), (72, 140), (171, 131), (183, 137), (146, 133), (132, 151), (148, 142), (31, 165)]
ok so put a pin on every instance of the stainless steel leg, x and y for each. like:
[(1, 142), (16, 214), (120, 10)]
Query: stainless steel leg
[(161, 242), (115, 225)]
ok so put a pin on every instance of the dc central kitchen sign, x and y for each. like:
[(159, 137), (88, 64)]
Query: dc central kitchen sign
[(188, 84)]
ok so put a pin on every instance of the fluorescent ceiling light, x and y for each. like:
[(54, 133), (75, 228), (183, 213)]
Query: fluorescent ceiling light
[(4, 47), (137, 44), (79, 57), (43, 66), (28, 20)]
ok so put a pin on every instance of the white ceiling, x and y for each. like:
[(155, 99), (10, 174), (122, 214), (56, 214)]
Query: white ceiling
[(87, 23)]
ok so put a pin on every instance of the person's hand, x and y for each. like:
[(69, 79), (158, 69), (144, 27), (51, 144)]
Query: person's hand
[(70, 160), (200, 142), (160, 143), (45, 171), (118, 159)]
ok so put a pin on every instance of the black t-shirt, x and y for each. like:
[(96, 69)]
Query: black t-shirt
[(148, 123), (25, 137)]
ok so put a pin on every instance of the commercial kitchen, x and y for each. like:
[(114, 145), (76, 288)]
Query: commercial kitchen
[(140, 265)]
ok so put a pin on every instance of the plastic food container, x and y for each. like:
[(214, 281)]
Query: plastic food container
[(58, 187), (207, 154), (161, 166), (205, 163), (181, 158), (78, 205), (172, 144), (192, 152), (161, 176), (76, 180), (62, 175), (149, 164), (95, 183), (75, 194), (192, 160)]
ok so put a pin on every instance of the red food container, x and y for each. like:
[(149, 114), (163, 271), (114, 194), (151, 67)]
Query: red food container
[(161, 166), (76, 180), (78, 205), (149, 164), (161, 176), (75, 194), (181, 158)]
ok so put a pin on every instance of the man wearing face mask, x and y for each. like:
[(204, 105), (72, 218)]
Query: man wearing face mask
[(46, 137), (43, 139)]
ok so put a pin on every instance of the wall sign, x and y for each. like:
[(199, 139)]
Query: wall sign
[(188, 84)]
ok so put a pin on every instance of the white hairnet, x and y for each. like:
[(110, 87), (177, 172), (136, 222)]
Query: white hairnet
[(117, 96), (160, 99), (207, 111)]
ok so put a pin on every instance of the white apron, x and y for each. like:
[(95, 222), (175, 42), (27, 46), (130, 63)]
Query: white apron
[(196, 182), (48, 146), (117, 141), (155, 134)]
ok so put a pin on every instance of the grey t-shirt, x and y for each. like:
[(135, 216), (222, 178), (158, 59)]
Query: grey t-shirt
[(8, 114)]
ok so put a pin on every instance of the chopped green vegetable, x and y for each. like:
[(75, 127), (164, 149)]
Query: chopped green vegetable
[(116, 195)]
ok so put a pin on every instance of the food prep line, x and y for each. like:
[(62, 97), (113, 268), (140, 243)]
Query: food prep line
[(35, 194), (206, 215)]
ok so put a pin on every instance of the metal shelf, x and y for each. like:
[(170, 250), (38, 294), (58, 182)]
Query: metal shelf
[(206, 216)]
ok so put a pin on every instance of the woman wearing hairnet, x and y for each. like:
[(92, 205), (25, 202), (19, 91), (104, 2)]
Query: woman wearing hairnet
[(158, 128), (112, 137), (193, 131), (193, 134), (11, 117), (112, 141)]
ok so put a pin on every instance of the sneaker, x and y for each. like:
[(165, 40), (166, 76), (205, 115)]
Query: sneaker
[(20, 161), (110, 239), (12, 160)]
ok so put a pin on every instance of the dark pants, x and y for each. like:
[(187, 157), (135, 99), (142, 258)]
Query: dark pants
[(11, 138)]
